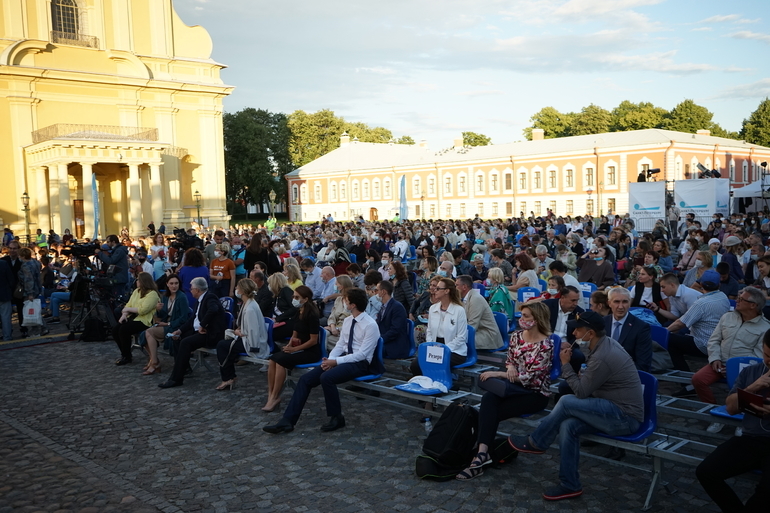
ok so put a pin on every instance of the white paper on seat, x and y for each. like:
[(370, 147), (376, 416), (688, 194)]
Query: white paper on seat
[(435, 355)]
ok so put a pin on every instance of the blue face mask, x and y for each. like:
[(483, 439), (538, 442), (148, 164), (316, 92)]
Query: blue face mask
[(598, 259), (479, 241), (443, 273)]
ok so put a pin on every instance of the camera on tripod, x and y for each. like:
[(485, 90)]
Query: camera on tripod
[(183, 241)]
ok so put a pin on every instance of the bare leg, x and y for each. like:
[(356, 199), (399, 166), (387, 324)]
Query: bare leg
[(274, 397)]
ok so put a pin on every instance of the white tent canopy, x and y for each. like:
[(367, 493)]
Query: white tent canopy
[(754, 189)]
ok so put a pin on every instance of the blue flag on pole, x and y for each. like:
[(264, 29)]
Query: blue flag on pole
[(403, 209)]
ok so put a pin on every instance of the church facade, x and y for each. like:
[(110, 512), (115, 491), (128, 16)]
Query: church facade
[(110, 117)]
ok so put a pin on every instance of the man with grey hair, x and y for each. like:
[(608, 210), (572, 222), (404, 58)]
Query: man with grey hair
[(738, 333), (629, 331), (447, 270), (542, 261), (204, 329)]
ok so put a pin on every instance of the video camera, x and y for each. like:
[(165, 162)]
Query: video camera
[(80, 250), (182, 241)]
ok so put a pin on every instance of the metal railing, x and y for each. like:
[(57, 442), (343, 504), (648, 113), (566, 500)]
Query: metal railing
[(176, 151), (67, 38), (94, 132)]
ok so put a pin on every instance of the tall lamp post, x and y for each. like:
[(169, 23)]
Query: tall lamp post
[(422, 207), (272, 203), (197, 197), (589, 192), (25, 209), (599, 197)]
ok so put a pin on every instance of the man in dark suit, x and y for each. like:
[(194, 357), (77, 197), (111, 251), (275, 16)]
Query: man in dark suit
[(563, 310), (6, 297), (204, 329), (630, 332), (264, 297), (391, 320), (14, 262)]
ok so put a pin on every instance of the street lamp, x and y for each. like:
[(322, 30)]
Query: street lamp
[(25, 209), (589, 192), (197, 197), (599, 197), (422, 208), (272, 203)]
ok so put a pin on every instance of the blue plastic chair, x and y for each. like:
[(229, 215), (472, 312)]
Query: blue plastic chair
[(543, 285), (481, 288), (230, 320), (732, 304), (471, 357), (413, 280), (322, 341), (586, 289), (353, 258), (556, 365), (270, 342), (437, 371), (660, 335), (524, 294), (228, 304), (734, 367), (378, 355), (410, 333), (502, 324), (650, 422)]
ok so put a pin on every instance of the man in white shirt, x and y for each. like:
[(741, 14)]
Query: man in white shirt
[(680, 297), (353, 356), (401, 248), (558, 268), (313, 278)]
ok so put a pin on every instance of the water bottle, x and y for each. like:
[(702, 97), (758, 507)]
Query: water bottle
[(583, 367), (428, 425)]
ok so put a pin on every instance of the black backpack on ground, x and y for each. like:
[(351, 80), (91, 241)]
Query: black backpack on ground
[(501, 451), (93, 331), (449, 447)]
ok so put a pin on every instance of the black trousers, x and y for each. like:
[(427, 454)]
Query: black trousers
[(228, 352), (680, 346), (454, 359), (184, 347), (495, 409), (19, 304), (738, 455), (122, 333)]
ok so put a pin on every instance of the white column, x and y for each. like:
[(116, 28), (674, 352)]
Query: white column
[(157, 194), (90, 223), (65, 202), (134, 200), (43, 211)]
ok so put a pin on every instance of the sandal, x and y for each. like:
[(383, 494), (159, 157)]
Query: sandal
[(469, 473), (483, 458)]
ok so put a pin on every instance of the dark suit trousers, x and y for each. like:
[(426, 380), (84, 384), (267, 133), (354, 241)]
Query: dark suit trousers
[(328, 380), (184, 348)]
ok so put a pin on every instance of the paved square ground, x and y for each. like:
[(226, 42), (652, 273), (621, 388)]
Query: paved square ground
[(78, 433)]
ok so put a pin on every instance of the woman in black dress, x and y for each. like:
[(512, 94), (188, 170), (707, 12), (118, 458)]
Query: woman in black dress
[(302, 348)]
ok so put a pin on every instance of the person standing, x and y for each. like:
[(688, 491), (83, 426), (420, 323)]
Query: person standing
[(6, 299), (17, 300), (673, 219)]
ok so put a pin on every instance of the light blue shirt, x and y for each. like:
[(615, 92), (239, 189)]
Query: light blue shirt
[(315, 283)]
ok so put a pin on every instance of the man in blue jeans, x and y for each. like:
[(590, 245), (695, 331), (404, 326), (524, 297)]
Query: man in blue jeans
[(607, 398)]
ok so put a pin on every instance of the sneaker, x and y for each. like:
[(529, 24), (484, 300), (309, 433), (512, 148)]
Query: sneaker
[(54, 320), (522, 444), (687, 391), (558, 493), (715, 427), (738, 431)]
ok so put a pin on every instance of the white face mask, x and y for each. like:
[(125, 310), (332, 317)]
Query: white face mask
[(217, 254), (582, 343), (296, 303), (553, 292), (698, 263)]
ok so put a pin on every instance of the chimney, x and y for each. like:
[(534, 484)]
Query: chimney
[(344, 140), (703, 132), (458, 142), (538, 134), (423, 143)]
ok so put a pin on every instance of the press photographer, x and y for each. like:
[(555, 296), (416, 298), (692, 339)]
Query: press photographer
[(116, 260)]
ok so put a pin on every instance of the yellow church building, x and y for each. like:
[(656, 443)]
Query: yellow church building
[(110, 116)]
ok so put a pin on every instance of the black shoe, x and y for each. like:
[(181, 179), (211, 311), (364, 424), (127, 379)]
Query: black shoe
[(615, 453), (334, 423), (24, 334), (170, 384), (687, 391), (123, 361), (588, 443), (283, 426), (188, 371), (54, 320)]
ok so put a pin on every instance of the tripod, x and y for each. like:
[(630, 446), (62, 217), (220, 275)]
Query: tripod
[(95, 302)]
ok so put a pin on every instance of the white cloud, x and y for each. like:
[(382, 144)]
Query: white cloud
[(758, 89), (481, 92), (701, 29), (377, 70), (721, 18), (662, 62), (746, 34)]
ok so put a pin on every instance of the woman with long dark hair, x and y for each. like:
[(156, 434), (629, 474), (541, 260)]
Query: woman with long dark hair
[(254, 253)]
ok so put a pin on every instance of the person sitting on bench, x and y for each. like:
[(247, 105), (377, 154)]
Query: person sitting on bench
[(353, 356)]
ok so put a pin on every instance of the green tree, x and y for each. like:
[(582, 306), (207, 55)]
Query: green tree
[(756, 129), (591, 120), (474, 139), (405, 139), (688, 116), (256, 155), (553, 122), (636, 116)]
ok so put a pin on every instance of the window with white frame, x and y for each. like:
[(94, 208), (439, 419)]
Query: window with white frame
[(449, 211), (570, 206), (523, 207), (480, 183), (461, 184), (294, 193), (552, 178), (386, 188), (333, 192), (318, 193), (493, 183), (494, 209), (508, 181), (447, 185), (303, 193), (589, 177), (365, 189), (569, 178), (553, 206), (343, 192), (481, 210), (732, 170), (611, 175), (431, 186), (522, 180), (590, 206), (462, 210), (433, 211), (355, 190), (610, 205), (538, 208), (509, 208), (537, 184), (376, 189)]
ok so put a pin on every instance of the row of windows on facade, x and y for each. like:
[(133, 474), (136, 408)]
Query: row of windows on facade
[(65, 16), (537, 209), (590, 180)]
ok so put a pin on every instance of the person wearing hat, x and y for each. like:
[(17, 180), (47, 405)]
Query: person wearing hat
[(716, 256), (732, 256), (701, 319), (607, 398)]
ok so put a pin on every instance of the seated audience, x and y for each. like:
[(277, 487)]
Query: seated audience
[(479, 271), (557, 268), (136, 316), (526, 275), (171, 313), (264, 297), (680, 297), (727, 283), (391, 320), (599, 303), (371, 279), (284, 310), (599, 271), (478, 314), (629, 331), (339, 312)]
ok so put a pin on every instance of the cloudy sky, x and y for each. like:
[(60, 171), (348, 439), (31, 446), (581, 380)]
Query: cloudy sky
[(432, 69)]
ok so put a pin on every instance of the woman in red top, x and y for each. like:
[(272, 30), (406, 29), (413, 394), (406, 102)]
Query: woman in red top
[(222, 272)]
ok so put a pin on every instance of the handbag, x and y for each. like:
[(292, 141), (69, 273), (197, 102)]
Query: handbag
[(33, 315), (18, 292)]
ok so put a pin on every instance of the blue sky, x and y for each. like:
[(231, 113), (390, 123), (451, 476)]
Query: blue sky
[(432, 69)]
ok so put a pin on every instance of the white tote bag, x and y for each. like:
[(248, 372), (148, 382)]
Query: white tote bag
[(33, 316)]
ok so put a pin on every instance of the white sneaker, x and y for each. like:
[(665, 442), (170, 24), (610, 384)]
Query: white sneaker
[(715, 427), (738, 431)]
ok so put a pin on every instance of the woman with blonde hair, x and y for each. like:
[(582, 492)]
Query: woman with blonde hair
[(499, 297), (283, 310), (136, 316), (522, 388), (339, 312), (222, 272), (293, 276)]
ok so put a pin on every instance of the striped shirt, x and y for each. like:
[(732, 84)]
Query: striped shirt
[(703, 316)]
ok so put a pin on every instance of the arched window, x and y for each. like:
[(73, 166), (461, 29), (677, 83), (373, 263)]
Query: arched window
[(64, 15)]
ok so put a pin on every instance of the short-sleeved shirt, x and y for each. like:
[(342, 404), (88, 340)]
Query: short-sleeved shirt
[(753, 425), (729, 287), (703, 316), (222, 266), (684, 298)]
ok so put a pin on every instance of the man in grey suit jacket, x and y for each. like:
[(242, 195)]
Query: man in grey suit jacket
[(479, 314), (630, 332)]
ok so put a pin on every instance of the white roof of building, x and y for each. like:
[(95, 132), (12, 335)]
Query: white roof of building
[(361, 156)]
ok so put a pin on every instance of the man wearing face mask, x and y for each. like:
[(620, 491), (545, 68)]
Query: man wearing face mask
[(607, 398), (478, 314), (353, 356), (562, 311), (391, 320)]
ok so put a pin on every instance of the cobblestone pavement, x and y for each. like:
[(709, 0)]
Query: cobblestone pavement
[(78, 433)]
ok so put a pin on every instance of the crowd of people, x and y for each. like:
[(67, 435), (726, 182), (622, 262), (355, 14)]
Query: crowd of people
[(347, 284)]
